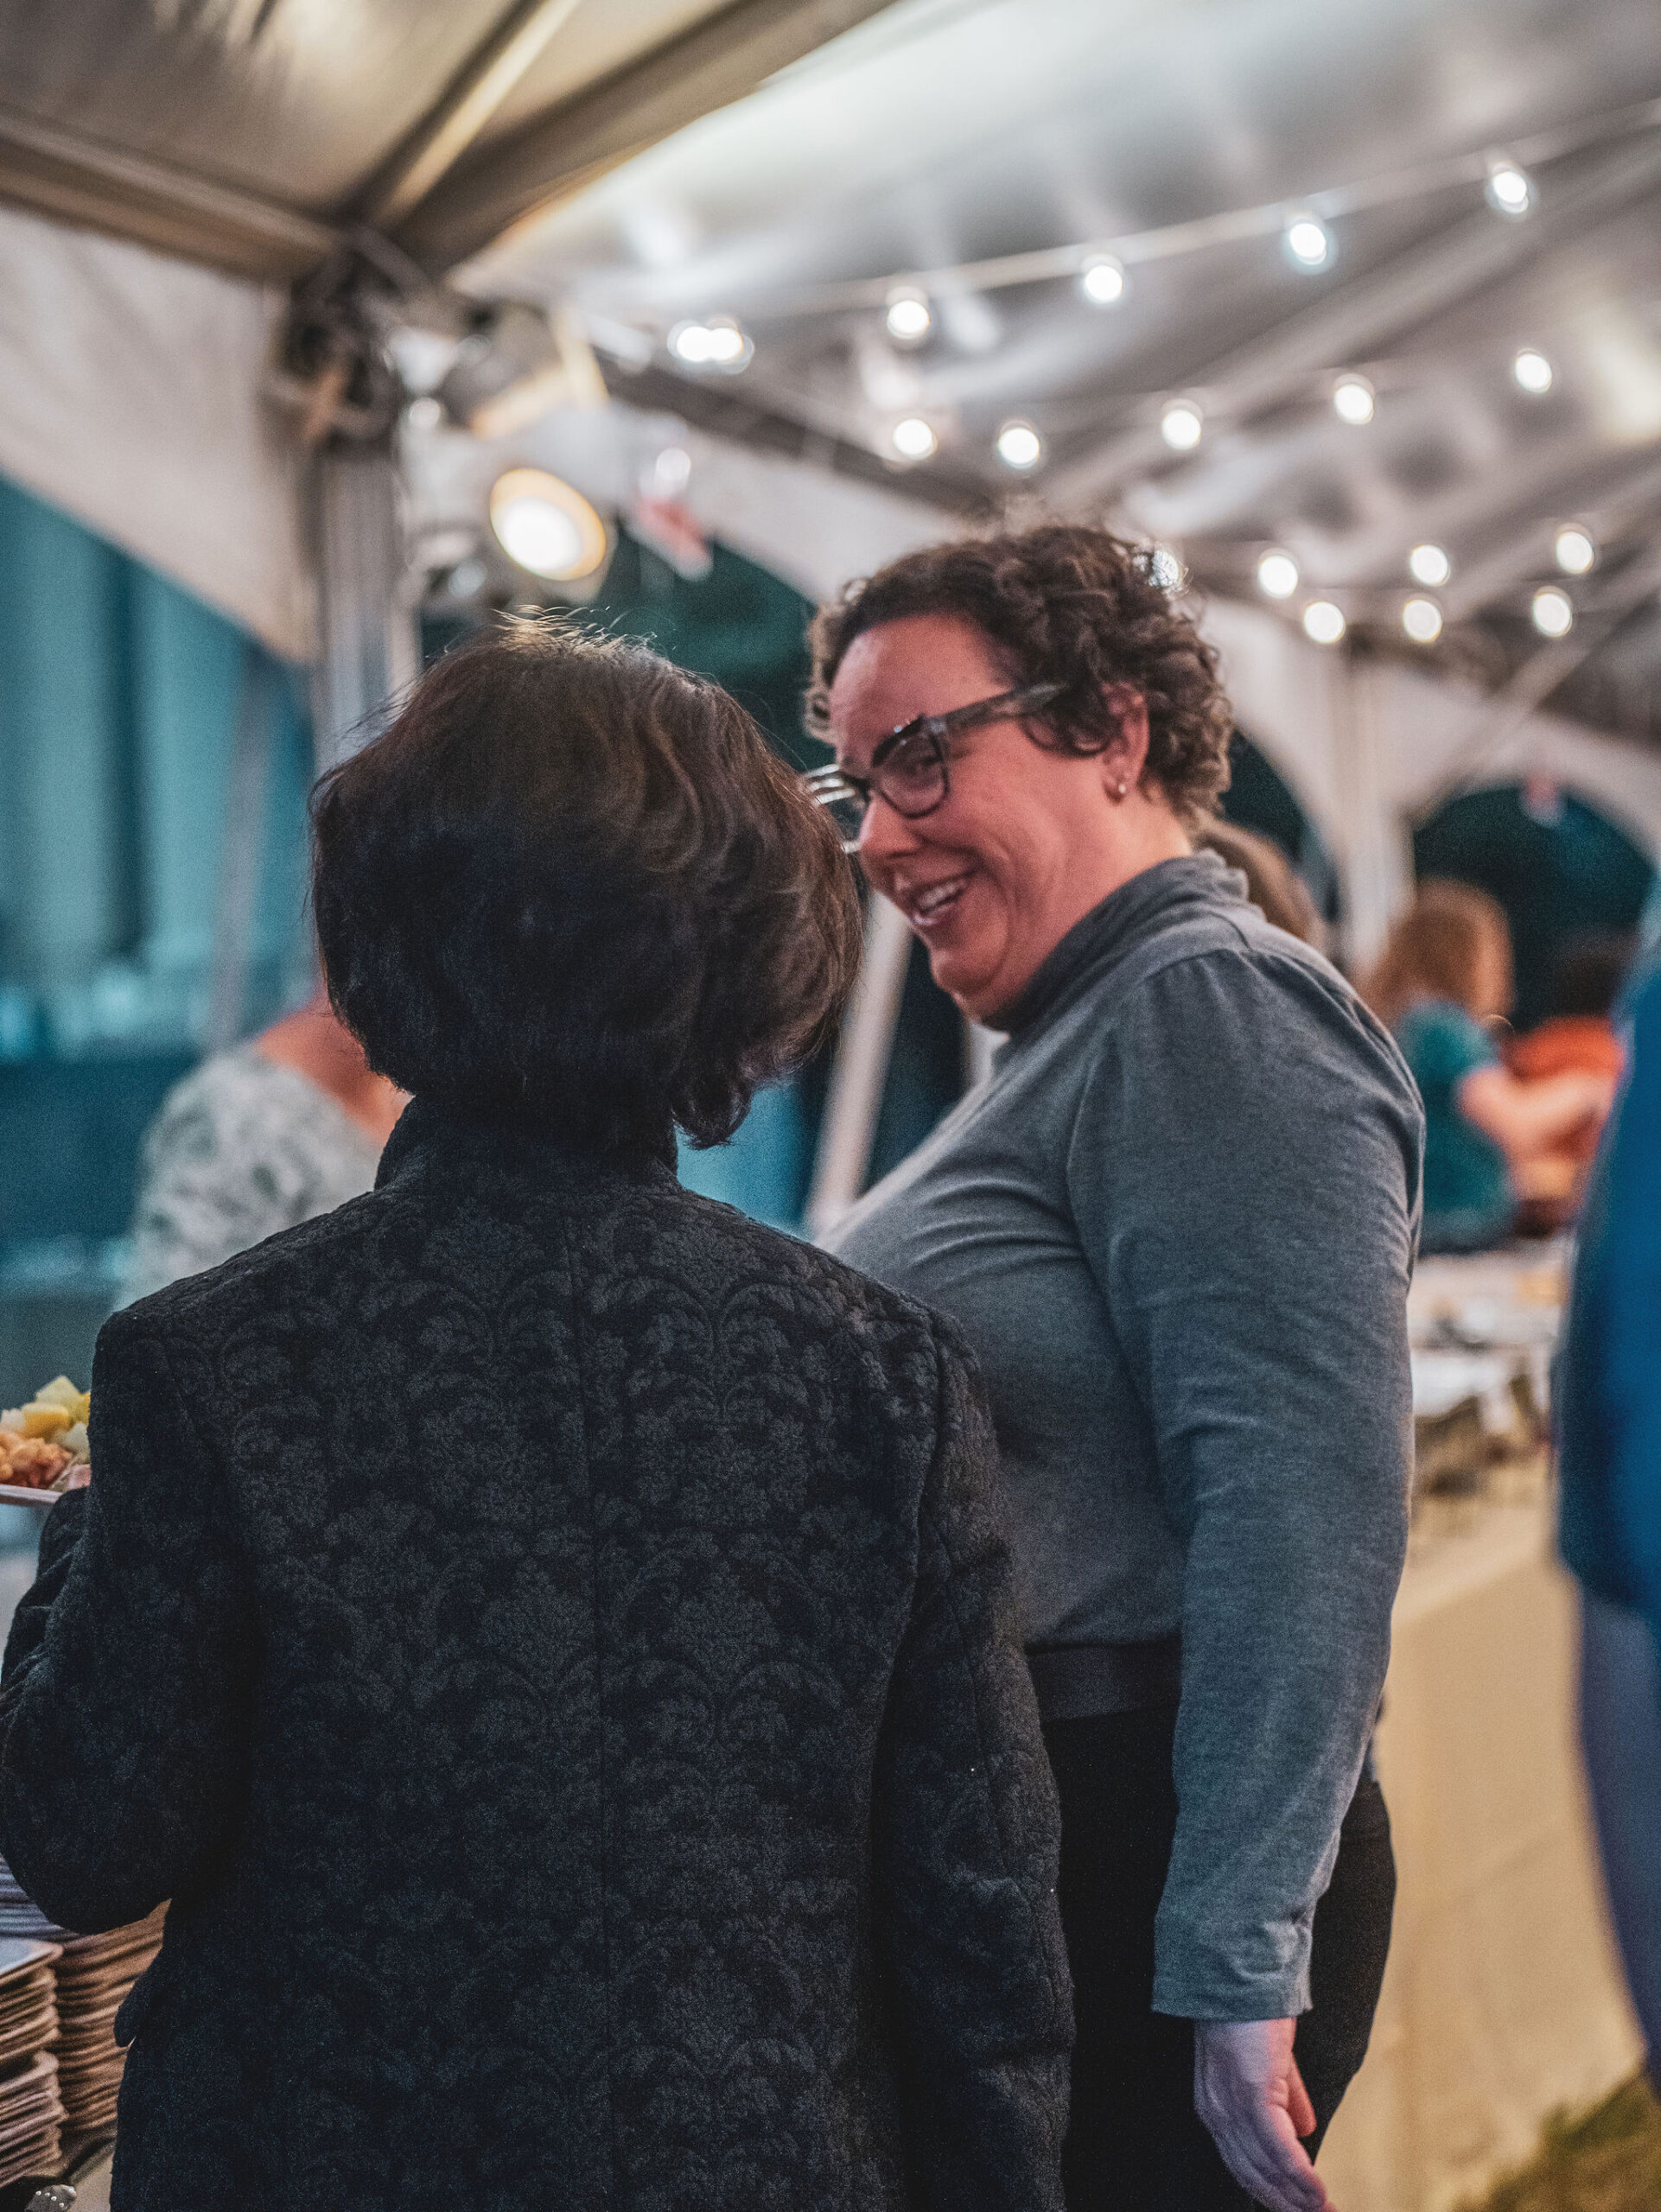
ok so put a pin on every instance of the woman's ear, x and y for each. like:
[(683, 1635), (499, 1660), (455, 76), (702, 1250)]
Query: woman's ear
[(1124, 757)]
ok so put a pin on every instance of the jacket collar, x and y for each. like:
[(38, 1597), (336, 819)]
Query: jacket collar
[(427, 1135)]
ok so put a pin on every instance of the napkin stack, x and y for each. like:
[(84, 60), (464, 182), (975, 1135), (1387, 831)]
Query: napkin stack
[(92, 1975), (31, 2111)]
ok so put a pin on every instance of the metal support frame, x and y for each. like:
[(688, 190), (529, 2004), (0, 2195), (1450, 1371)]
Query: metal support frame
[(859, 1073), (369, 648)]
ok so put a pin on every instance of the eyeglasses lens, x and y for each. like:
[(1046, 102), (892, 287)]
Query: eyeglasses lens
[(849, 814), (913, 778)]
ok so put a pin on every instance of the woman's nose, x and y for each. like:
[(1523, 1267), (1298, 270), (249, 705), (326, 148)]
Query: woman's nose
[(885, 834)]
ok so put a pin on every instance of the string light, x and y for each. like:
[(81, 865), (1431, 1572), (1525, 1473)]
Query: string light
[(1102, 280), (1020, 446), (1532, 370), (1575, 550), (908, 316), (1428, 564), (913, 439), (1323, 622), (1353, 400), (1510, 190), (1553, 612), (1277, 574), (716, 342), (1181, 425), (1422, 619), (1308, 241)]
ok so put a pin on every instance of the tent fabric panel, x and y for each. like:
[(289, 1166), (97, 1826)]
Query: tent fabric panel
[(133, 401)]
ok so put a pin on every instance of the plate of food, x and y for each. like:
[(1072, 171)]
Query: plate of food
[(43, 1445)]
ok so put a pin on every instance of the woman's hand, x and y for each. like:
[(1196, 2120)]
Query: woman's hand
[(1249, 2092), (1524, 1119)]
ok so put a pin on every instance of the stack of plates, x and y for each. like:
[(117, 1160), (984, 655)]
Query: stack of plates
[(31, 2113), (94, 1975)]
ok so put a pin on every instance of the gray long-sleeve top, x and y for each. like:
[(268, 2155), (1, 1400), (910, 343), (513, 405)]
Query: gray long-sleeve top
[(1177, 1222)]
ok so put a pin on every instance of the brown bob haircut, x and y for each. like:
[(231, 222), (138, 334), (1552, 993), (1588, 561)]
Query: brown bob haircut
[(1064, 604), (571, 888), (1438, 949)]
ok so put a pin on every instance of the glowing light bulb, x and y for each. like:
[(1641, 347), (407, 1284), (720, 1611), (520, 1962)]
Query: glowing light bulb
[(1510, 190), (1277, 574), (1422, 619), (913, 439), (1309, 242), (1553, 612), (1574, 549), (717, 342), (1102, 280), (1323, 622), (908, 317), (1020, 446), (546, 525), (1353, 400), (1532, 370), (1428, 564), (1181, 425)]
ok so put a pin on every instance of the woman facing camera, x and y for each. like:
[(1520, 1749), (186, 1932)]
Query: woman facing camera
[(1176, 1222), (548, 1636)]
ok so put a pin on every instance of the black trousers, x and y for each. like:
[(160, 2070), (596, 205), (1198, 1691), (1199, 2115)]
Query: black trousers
[(1134, 2138)]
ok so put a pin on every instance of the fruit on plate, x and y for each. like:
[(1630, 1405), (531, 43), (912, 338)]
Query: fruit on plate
[(43, 1443)]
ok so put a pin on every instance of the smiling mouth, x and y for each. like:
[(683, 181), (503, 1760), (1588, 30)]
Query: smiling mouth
[(934, 901)]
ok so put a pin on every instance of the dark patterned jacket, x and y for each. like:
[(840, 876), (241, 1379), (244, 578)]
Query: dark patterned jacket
[(551, 1639)]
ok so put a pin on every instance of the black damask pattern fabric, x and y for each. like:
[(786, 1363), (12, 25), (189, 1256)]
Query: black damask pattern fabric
[(551, 1639)]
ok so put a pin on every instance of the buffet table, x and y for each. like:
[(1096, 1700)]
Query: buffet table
[(1503, 1999)]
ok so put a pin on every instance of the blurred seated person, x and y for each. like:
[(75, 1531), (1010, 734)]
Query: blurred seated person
[(1445, 975), (258, 1139), (1273, 885), (1579, 1033)]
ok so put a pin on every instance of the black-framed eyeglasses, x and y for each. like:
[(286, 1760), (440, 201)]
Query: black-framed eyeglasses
[(910, 770)]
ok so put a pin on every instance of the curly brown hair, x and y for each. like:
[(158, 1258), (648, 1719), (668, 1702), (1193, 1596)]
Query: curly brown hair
[(1061, 604), (570, 887)]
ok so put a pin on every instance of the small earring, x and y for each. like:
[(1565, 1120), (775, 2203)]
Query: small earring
[(1122, 790)]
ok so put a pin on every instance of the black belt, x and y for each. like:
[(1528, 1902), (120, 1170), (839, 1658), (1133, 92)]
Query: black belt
[(1078, 1682)]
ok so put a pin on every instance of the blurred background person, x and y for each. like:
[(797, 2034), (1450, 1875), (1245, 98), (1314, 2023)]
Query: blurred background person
[(1444, 977), (1273, 885), (1609, 1460), (1577, 1036), (1176, 1222), (258, 1139)]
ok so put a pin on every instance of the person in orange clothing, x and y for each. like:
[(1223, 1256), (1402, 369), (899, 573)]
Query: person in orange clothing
[(1578, 1037)]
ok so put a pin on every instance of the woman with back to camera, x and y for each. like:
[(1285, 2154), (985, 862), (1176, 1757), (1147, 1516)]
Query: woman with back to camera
[(1444, 974), (1176, 1222), (547, 1635)]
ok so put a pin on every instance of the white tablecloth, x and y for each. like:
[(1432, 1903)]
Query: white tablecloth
[(1502, 2000)]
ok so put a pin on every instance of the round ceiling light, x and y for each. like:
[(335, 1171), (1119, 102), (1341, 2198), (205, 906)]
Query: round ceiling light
[(1353, 400), (1277, 574), (1102, 280), (545, 527), (1324, 622), (1422, 619), (715, 341), (1309, 242), (1428, 564), (1553, 612), (909, 318), (1575, 550), (1020, 446), (1532, 370), (1510, 190), (913, 439), (1181, 425)]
